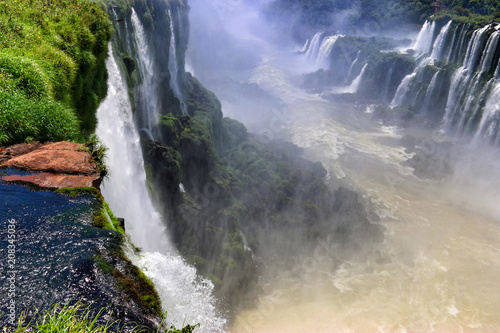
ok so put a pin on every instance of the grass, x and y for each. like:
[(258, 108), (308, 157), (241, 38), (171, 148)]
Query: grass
[(79, 318), (41, 119), (98, 152), (52, 69)]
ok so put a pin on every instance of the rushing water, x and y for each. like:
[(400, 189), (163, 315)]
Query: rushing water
[(438, 267), (51, 253), (146, 92), (186, 297)]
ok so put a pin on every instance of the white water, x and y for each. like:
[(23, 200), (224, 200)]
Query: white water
[(185, 297), (403, 89), (173, 67), (352, 67), (423, 44), (430, 92), (439, 44), (147, 93), (438, 267), (466, 85), (354, 86), (323, 59), (313, 50)]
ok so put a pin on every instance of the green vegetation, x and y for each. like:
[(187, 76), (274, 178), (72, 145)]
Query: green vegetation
[(52, 69), (78, 318), (44, 119), (98, 153), (76, 191)]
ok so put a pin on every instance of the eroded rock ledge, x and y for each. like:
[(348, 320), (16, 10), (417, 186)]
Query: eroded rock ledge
[(54, 165)]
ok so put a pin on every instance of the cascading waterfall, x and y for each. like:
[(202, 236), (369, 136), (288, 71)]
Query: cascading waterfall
[(468, 90), (357, 81), (402, 90), (146, 93), (325, 50), (438, 47), (349, 73), (490, 121), (313, 50), (430, 91), (305, 47), (470, 108), (423, 43), (463, 99), (125, 189), (186, 297), (173, 67)]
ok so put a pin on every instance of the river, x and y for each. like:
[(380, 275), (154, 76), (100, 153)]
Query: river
[(438, 266)]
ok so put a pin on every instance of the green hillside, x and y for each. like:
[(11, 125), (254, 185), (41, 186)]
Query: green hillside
[(52, 68)]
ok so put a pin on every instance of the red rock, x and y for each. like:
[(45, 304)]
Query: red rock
[(62, 165), (16, 150), (59, 157)]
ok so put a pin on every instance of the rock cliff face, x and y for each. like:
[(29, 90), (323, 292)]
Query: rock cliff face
[(62, 164)]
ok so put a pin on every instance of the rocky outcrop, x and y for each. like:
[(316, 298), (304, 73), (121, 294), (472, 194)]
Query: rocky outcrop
[(62, 164)]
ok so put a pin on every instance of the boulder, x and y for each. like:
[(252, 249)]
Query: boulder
[(57, 165)]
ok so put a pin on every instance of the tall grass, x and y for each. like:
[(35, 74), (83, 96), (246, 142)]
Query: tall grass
[(23, 118), (81, 319), (51, 51)]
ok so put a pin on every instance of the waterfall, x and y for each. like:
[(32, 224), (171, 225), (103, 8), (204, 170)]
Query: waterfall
[(325, 50), (349, 73), (305, 47), (184, 296), (146, 93), (490, 121), (357, 81), (430, 92), (475, 50), (423, 44), (173, 67), (438, 47), (404, 93), (125, 189), (468, 89), (314, 45), (402, 90), (490, 51)]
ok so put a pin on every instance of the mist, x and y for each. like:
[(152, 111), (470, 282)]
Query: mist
[(375, 107)]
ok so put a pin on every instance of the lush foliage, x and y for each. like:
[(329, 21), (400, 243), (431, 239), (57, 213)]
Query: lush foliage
[(98, 153), (52, 53), (40, 119)]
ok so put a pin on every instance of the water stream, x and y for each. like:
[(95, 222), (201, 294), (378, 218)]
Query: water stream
[(185, 297)]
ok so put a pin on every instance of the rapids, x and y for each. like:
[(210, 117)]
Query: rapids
[(437, 268)]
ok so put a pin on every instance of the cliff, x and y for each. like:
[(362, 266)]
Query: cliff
[(225, 194)]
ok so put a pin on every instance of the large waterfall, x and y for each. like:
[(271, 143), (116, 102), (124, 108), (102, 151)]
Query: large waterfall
[(455, 78), (146, 93), (186, 297), (470, 109), (173, 66)]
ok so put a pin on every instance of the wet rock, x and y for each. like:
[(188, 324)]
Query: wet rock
[(62, 164)]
